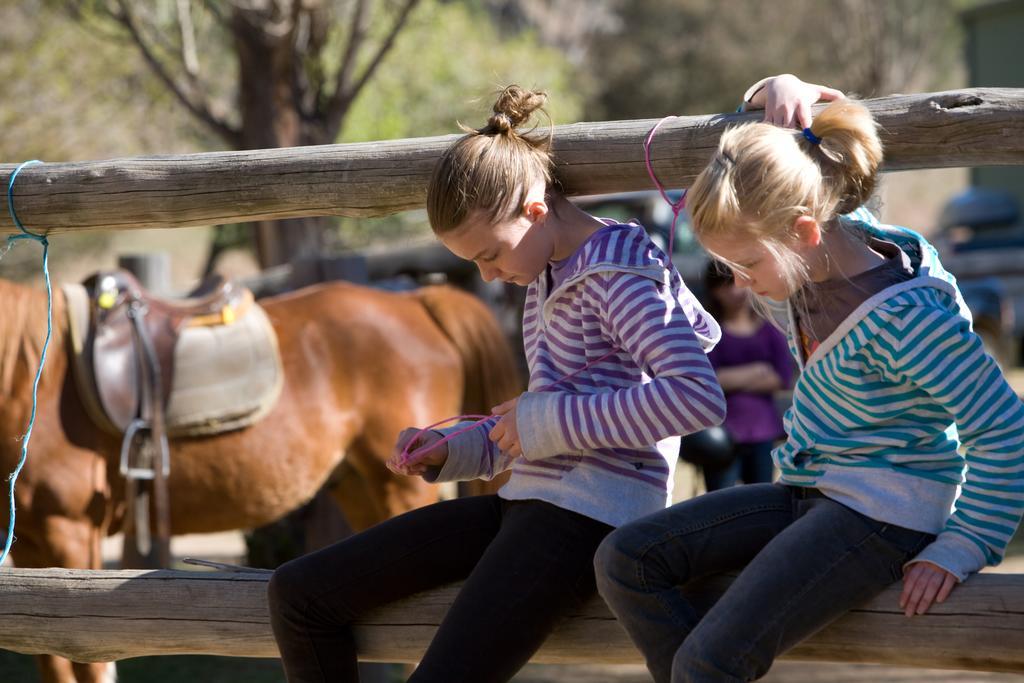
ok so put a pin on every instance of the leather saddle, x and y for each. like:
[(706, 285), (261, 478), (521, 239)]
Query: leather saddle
[(149, 367), (209, 361), (135, 334)]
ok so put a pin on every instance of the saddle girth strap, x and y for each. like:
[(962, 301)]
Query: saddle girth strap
[(149, 420)]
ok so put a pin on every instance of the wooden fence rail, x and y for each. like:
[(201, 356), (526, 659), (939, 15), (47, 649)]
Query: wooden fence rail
[(104, 615), (971, 127)]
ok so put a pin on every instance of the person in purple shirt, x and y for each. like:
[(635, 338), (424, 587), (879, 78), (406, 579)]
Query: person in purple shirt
[(752, 362)]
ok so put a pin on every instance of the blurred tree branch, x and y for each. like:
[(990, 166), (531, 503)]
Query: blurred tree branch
[(691, 56), (284, 52), (191, 92)]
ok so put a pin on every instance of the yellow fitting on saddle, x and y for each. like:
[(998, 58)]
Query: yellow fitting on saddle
[(106, 300), (228, 314)]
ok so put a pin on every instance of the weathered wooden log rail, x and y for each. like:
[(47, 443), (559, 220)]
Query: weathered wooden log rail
[(106, 615), (971, 127)]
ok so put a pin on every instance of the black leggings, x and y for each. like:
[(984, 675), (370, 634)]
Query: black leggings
[(527, 563)]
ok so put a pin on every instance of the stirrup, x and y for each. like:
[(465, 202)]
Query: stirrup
[(139, 428)]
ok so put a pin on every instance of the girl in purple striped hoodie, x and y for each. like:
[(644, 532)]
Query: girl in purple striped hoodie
[(616, 346)]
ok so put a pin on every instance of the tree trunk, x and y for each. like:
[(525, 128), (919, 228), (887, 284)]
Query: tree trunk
[(268, 67), (286, 241)]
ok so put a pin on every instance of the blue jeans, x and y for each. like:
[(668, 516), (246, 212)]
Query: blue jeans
[(751, 463), (804, 560)]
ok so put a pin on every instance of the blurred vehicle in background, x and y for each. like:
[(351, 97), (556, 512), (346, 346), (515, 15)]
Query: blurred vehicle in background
[(981, 240)]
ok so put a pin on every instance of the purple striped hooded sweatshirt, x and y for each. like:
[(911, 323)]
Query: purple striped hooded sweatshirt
[(604, 442)]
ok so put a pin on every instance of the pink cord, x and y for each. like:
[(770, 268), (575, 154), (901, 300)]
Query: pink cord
[(677, 207), (406, 458)]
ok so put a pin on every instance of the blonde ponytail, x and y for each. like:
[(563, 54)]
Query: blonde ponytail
[(850, 152), (762, 178)]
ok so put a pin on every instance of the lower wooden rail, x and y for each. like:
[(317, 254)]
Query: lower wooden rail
[(108, 615)]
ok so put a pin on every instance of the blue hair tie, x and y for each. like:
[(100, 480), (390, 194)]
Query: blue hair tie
[(814, 139)]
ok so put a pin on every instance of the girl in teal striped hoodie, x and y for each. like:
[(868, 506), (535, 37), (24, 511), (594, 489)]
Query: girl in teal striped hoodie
[(874, 487)]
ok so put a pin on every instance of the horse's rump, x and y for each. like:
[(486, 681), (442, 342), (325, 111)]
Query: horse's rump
[(491, 376), (490, 371)]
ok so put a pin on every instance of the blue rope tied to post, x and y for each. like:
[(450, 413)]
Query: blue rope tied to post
[(26, 235)]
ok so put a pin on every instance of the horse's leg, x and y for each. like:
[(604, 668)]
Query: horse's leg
[(54, 669), (51, 669), (350, 491), (368, 491), (101, 672), (73, 544)]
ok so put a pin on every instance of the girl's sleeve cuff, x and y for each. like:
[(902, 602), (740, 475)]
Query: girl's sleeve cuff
[(954, 553), (540, 434), (466, 453)]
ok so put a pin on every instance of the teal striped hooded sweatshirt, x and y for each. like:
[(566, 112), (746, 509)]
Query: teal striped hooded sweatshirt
[(901, 415)]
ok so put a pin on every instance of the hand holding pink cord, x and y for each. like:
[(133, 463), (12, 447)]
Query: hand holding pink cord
[(416, 446), (787, 100), (420, 448), (506, 433), (419, 445), (431, 448)]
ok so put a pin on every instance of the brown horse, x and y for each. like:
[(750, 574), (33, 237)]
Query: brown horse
[(359, 364)]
